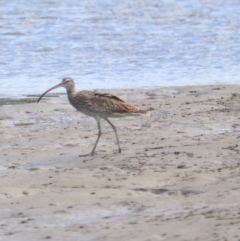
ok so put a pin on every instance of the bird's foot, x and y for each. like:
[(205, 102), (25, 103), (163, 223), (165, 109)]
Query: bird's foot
[(89, 154)]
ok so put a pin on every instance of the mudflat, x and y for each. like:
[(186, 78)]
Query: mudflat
[(177, 178)]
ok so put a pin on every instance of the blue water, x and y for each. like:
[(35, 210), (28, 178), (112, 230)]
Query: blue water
[(117, 43)]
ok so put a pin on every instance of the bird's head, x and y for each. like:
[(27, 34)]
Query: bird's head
[(67, 83)]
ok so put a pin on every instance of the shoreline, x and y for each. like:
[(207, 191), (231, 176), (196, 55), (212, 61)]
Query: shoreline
[(30, 98), (177, 175)]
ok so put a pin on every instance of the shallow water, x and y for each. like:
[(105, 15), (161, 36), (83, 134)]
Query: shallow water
[(117, 43)]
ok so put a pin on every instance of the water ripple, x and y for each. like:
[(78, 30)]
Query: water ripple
[(117, 44)]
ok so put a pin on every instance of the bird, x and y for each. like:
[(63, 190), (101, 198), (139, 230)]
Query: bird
[(97, 105)]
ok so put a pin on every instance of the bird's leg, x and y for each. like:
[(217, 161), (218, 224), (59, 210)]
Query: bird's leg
[(115, 130), (99, 135)]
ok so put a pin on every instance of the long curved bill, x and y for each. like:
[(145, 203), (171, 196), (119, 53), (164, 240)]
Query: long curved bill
[(54, 87)]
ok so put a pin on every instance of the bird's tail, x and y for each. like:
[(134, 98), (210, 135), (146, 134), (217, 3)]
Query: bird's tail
[(139, 112)]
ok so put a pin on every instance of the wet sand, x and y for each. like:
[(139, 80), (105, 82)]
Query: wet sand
[(177, 177)]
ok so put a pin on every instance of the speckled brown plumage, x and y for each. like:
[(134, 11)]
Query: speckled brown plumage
[(103, 104), (98, 105)]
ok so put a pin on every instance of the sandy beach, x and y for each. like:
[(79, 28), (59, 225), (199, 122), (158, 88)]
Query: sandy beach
[(177, 177)]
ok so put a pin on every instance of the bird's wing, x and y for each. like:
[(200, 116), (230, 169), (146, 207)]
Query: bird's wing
[(103, 104), (108, 96), (109, 103)]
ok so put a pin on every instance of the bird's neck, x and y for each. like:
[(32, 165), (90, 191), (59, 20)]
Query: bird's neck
[(71, 91)]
